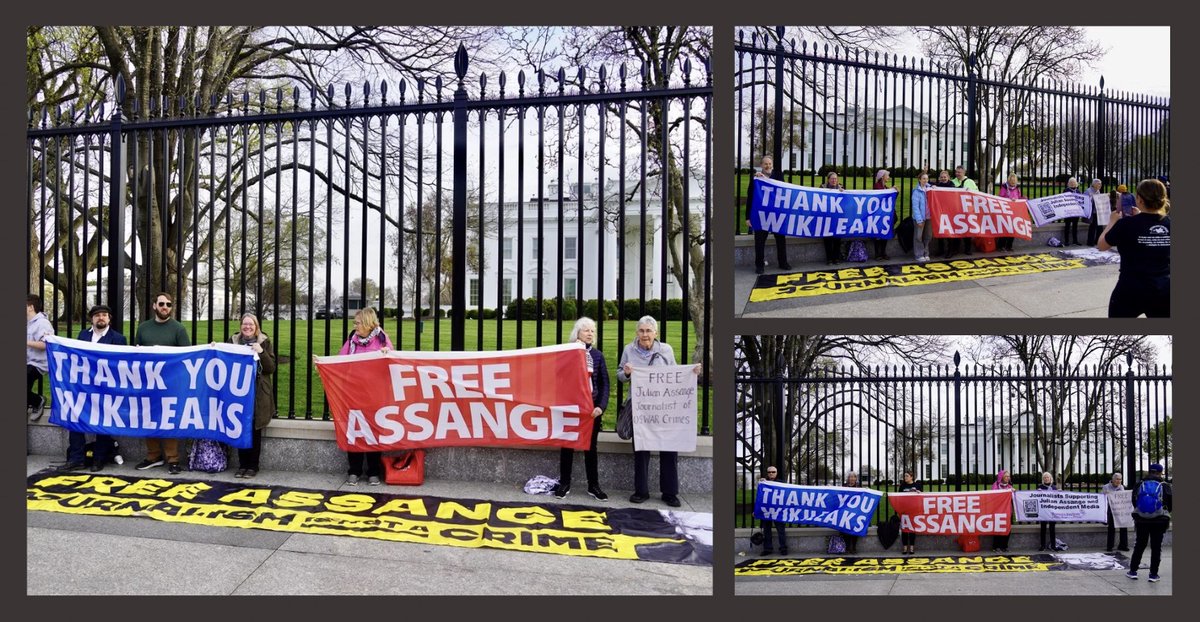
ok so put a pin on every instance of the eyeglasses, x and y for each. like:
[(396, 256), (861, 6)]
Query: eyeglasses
[(165, 304)]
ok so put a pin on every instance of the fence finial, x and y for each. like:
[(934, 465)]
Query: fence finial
[(460, 63), (957, 358)]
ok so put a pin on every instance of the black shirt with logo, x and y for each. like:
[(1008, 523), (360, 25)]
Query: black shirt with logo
[(1144, 242)]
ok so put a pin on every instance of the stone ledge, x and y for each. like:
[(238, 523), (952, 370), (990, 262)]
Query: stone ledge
[(1024, 538), (300, 445)]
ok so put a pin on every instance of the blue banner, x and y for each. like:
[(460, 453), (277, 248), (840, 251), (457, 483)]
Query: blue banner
[(804, 212), (157, 391), (848, 510)]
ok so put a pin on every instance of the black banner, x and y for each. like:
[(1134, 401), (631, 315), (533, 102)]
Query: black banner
[(617, 533)]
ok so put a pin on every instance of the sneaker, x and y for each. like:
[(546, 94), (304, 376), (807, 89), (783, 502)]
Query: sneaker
[(759, 270), (766, 552), (373, 480), (1123, 548), (597, 494), (561, 491), (672, 500), (72, 466), (636, 498), (1154, 578), (785, 266), (783, 552), (96, 467), (149, 464), (174, 469), (352, 479), (1132, 574), (38, 410)]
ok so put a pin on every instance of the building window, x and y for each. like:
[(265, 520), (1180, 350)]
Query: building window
[(569, 287), (506, 296), (569, 248), (506, 249), (537, 244), (474, 293)]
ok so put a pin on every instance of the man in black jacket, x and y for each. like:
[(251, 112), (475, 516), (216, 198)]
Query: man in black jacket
[(100, 332), (772, 473), (1150, 520)]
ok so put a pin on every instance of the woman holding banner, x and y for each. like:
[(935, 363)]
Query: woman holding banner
[(1047, 526), (367, 336), (585, 332), (922, 229), (251, 336), (1143, 240), (883, 181), (646, 351), (909, 540), (1071, 225), (851, 541), (833, 245), (1010, 190), (1003, 482), (1116, 484)]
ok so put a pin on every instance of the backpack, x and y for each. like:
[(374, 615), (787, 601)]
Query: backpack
[(857, 251), (837, 545), (207, 456), (1150, 499)]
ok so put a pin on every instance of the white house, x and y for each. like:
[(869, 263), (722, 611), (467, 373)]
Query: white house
[(515, 258), (897, 137)]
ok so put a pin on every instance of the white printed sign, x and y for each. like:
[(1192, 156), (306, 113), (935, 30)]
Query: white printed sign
[(1061, 505), (1059, 206), (664, 408), (1103, 208), (1121, 504)]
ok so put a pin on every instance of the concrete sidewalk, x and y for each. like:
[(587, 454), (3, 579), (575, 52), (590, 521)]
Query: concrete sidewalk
[(1052, 582), (76, 554), (1083, 292)]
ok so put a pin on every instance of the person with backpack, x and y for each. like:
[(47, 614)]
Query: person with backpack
[(1151, 517), (1116, 484), (251, 336), (367, 336), (1047, 526)]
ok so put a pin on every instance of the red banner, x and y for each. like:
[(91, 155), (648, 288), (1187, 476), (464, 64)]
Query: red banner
[(405, 400), (967, 214), (985, 512)]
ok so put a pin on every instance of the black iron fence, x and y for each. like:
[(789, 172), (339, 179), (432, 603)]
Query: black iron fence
[(952, 427), (500, 217), (817, 108)]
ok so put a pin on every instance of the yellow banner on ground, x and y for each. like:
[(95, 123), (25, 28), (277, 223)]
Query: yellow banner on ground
[(897, 565), (820, 282), (619, 533)]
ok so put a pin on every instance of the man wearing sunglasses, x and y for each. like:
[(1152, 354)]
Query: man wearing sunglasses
[(163, 331), (773, 473)]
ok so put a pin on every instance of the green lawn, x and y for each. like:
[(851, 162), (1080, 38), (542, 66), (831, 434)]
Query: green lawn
[(905, 186), (297, 378)]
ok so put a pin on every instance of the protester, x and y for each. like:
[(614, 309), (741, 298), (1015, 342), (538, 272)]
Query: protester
[(163, 331), (1071, 224), (1011, 189), (909, 540), (1128, 202), (1116, 484), (1144, 243), (37, 328), (962, 181), (367, 336), (833, 245), (1003, 482), (103, 448), (851, 540), (1047, 526), (772, 473), (1152, 504), (1093, 223), (883, 181), (946, 247), (251, 335), (922, 232), (760, 236), (645, 351), (585, 332)]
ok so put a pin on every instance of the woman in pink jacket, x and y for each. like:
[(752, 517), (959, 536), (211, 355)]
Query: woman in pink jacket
[(1009, 190), (1003, 482), (368, 336)]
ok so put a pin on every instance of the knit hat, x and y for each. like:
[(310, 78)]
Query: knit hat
[(1122, 188)]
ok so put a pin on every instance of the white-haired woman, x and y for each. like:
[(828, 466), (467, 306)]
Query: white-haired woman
[(367, 336), (585, 332), (1047, 526), (1116, 484), (645, 351)]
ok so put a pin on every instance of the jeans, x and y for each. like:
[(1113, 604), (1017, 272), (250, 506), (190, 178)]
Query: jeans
[(1148, 531), (767, 525), (922, 234)]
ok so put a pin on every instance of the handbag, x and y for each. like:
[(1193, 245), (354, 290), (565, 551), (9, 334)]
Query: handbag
[(625, 420), (406, 468)]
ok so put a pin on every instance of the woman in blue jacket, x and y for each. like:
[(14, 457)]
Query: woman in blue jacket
[(922, 228)]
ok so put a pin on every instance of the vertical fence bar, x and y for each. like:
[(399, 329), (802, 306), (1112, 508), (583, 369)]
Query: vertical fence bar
[(459, 245), (116, 219)]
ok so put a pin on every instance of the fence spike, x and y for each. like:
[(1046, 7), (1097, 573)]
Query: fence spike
[(603, 78), (521, 83), (366, 93), (708, 72), (153, 107), (741, 36), (403, 89), (562, 80), (502, 79), (582, 79), (460, 63), (754, 39), (420, 90), (621, 72), (541, 78), (482, 84), (295, 98), (687, 72), (645, 74)]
